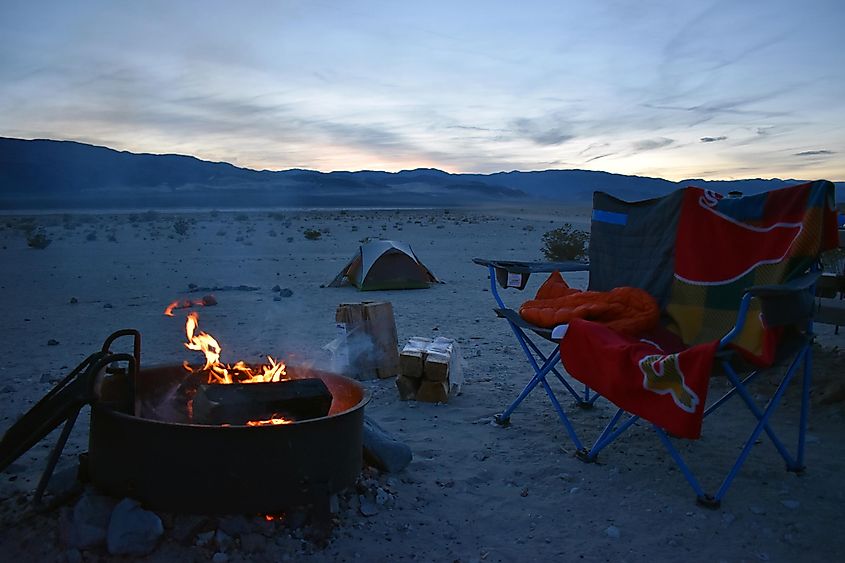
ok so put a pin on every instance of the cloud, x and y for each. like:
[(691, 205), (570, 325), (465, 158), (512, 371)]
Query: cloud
[(652, 144), (713, 139), (815, 153), (540, 133)]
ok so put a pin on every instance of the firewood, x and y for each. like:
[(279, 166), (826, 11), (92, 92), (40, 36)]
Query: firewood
[(438, 360), (237, 403), (433, 391), (407, 387), (412, 357)]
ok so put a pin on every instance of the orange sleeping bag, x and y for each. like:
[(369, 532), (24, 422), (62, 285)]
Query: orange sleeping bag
[(628, 310)]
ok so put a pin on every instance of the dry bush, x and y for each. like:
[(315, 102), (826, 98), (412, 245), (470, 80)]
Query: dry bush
[(565, 243)]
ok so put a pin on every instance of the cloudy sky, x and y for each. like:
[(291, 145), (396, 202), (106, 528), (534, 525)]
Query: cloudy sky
[(677, 89)]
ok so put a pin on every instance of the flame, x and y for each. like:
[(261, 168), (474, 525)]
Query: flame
[(219, 372)]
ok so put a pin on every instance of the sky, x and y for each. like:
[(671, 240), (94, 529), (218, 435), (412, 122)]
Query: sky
[(677, 89)]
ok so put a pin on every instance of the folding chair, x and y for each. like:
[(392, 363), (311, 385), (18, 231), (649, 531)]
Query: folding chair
[(735, 282), (511, 274), (642, 259)]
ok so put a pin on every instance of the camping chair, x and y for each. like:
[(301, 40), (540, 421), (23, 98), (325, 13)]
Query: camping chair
[(641, 259), (511, 274), (734, 279)]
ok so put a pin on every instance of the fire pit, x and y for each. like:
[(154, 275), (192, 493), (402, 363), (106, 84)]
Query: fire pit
[(182, 467), (145, 441)]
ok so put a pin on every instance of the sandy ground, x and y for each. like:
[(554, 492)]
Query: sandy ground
[(474, 491)]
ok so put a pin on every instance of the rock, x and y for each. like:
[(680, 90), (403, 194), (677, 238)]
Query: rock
[(192, 286), (209, 300), (7, 389), (276, 288), (85, 526), (47, 378), (220, 557), (52, 342), (133, 530), (382, 450), (367, 507), (790, 504), (727, 519), (108, 306), (276, 298), (286, 292), (223, 540), (758, 510), (382, 497), (612, 532), (74, 300)]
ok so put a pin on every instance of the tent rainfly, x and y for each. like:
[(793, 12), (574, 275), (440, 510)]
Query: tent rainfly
[(385, 264)]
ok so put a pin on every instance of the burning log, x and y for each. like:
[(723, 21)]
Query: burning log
[(255, 404)]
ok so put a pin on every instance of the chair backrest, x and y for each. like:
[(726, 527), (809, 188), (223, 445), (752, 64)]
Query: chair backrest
[(633, 243), (697, 253)]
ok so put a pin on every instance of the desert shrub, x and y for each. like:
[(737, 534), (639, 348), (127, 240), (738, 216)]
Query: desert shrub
[(311, 234), (181, 226), (38, 239), (565, 243)]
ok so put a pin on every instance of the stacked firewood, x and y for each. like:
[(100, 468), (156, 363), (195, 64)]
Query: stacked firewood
[(429, 370)]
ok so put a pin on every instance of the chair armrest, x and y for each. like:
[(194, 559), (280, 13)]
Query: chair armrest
[(799, 284), (517, 267)]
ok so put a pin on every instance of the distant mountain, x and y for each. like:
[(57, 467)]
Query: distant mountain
[(65, 174)]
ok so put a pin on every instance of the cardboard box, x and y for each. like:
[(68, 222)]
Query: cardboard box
[(369, 342)]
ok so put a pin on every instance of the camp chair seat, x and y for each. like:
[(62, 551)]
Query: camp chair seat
[(513, 317)]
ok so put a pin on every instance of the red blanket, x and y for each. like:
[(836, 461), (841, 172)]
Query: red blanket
[(653, 376)]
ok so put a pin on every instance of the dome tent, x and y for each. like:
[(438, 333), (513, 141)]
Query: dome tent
[(385, 264)]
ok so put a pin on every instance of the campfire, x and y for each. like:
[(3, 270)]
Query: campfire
[(243, 394), (167, 435)]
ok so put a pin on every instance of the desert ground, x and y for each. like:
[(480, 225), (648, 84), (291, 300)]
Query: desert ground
[(473, 492)]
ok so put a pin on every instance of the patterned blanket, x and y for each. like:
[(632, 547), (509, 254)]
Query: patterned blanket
[(722, 247)]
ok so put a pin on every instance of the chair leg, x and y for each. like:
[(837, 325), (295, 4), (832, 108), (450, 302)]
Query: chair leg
[(503, 419), (563, 418), (607, 436), (762, 424), (807, 379)]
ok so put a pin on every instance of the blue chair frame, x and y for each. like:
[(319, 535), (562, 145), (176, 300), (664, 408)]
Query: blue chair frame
[(543, 363), (802, 289)]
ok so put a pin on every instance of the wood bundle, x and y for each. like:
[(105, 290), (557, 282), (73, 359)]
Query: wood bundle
[(427, 369)]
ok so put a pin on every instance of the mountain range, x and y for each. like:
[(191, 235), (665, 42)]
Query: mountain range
[(49, 174)]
